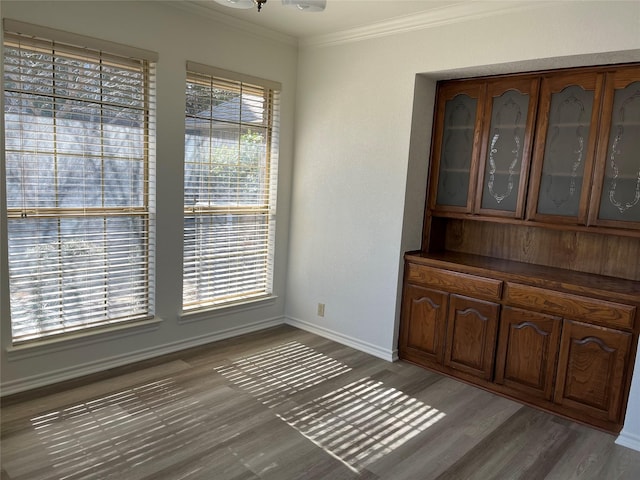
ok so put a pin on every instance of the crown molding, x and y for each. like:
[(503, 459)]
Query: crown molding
[(461, 12), (228, 21), (457, 13)]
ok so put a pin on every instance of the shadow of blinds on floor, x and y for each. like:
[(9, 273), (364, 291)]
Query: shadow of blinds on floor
[(358, 423)]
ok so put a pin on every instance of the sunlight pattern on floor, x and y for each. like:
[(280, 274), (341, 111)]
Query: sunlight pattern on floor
[(357, 424), (113, 434), (363, 421), (271, 376)]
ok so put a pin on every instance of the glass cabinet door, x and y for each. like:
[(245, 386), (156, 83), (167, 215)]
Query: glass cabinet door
[(616, 197), (564, 147), (509, 115), (455, 151)]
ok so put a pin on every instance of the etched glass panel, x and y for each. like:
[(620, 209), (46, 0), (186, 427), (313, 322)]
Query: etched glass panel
[(565, 151), (621, 189), (457, 149), (504, 155)]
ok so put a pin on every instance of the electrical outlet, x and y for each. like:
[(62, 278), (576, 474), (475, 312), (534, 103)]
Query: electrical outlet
[(321, 309)]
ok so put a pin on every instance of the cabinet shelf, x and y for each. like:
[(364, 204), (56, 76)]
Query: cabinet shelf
[(565, 175), (506, 173), (624, 177), (509, 126), (627, 124), (465, 128), (570, 125)]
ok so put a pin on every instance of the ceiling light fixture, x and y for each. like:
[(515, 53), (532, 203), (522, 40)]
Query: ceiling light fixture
[(304, 5)]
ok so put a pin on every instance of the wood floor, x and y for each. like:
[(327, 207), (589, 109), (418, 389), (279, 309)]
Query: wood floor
[(285, 404)]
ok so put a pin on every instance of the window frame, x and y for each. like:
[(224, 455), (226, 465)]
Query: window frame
[(34, 37), (270, 91)]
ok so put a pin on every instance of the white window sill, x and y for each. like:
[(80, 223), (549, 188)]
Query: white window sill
[(82, 338), (226, 309)]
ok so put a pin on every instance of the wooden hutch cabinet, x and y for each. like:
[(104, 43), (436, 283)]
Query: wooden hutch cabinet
[(528, 279)]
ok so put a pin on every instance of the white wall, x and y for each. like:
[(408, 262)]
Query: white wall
[(359, 177), (177, 37)]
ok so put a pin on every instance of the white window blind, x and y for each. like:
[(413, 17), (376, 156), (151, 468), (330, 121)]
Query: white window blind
[(78, 142), (231, 151)]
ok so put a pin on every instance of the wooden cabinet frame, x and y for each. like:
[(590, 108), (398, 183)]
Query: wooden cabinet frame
[(527, 351), (591, 370), (423, 334), (448, 92), (614, 81), (471, 336), (525, 343), (530, 304), (590, 81), (495, 88)]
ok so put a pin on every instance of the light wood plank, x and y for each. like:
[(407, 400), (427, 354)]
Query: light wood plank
[(286, 404)]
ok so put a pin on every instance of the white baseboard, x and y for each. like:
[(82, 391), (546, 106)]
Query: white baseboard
[(50, 378), (376, 351), (629, 440), (36, 381)]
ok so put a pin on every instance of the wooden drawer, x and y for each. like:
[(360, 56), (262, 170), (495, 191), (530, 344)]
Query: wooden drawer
[(455, 282), (589, 310)]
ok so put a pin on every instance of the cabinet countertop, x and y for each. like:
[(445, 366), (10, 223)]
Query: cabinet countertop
[(607, 288)]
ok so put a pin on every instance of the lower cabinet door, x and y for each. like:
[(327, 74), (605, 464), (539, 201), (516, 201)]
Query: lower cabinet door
[(527, 351), (591, 370), (424, 313), (471, 336)]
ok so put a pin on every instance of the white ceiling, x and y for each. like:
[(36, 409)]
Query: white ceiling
[(339, 16)]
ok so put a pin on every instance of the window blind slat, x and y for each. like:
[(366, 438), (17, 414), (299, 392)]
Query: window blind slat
[(230, 182), (78, 126), (200, 71)]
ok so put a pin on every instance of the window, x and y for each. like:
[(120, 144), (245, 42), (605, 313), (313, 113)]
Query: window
[(78, 141), (231, 148)]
